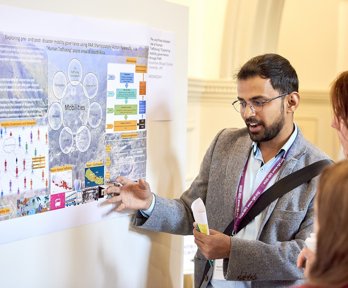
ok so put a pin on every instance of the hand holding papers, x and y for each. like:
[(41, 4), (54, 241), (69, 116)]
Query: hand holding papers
[(200, 215)]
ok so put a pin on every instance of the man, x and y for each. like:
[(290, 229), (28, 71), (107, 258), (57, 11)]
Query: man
[(241, 164)]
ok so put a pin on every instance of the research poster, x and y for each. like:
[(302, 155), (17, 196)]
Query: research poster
[(76, 97), (72, 118)]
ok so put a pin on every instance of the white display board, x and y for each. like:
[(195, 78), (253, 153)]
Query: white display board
[(106, 252), (73, 113)]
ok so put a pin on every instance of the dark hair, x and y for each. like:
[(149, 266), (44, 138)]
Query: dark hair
[(274, 67), (331, 262), (339, 97)]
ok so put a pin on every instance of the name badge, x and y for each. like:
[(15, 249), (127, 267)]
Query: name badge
[(218, 270)]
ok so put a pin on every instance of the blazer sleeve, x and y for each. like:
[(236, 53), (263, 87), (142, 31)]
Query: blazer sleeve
[(175, 215)]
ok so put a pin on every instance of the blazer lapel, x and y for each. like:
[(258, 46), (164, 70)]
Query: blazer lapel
[(295, 152), (237, 158)]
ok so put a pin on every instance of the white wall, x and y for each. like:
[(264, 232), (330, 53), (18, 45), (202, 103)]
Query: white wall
[(206, 32), (309, 36), (110, 253)]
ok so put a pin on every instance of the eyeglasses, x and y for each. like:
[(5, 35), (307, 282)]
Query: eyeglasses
[(255, 105)]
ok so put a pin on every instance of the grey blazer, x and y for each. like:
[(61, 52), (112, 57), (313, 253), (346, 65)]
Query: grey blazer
[(269, 261)]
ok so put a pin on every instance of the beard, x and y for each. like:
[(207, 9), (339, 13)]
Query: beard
[(269, 132)]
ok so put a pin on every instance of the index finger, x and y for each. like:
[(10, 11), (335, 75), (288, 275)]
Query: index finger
[(123, 180)]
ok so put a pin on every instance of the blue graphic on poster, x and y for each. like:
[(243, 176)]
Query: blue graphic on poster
[(94, 176)]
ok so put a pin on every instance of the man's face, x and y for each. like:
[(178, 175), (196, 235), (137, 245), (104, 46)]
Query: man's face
[(267, 122)]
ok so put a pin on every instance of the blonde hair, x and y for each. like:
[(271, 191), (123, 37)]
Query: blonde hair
[(331, 264)]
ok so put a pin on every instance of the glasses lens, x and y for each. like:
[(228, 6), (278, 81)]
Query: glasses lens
[(236, 106)]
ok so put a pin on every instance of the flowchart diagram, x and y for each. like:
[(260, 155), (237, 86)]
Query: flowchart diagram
[(126, 104)]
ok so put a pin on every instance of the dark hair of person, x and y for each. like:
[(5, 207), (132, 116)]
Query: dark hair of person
[(339, 97), (282, 75), (330, 268)]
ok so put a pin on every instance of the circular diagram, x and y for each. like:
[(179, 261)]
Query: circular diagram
[(74, 112), (59, 84), (90, 83), (55, 116), (75, 72), (83, 139), (66, 140), (95, 115)]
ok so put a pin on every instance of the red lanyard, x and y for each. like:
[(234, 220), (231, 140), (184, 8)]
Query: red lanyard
[(239, 213)]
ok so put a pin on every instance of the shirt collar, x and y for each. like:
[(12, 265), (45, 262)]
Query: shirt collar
[(257, 152)]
